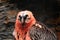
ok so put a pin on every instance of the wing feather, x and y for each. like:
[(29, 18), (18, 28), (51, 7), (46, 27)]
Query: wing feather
[(43, 33)]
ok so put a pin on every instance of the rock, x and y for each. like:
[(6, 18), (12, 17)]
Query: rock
[(6, 23)]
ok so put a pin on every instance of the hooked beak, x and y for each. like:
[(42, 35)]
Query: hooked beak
[(22, 20)]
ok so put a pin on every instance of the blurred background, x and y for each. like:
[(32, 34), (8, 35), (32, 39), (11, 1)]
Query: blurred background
[(46, 11)]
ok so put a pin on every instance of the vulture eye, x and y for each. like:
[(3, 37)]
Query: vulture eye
[(20, 17), (26, 16)]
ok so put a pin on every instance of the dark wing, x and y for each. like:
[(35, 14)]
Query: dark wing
[(44, 33)]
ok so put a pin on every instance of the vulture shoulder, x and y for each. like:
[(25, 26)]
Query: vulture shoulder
[(40, 32)]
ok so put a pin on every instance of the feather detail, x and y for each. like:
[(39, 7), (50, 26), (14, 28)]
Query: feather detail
[(22, 32)]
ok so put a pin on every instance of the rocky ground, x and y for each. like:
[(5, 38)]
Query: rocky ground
[(7, 21)]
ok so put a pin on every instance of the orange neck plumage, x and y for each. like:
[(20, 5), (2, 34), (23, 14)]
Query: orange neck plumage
[(22, 31)]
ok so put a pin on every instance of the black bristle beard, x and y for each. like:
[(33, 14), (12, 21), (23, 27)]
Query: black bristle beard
[(23, 25)]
